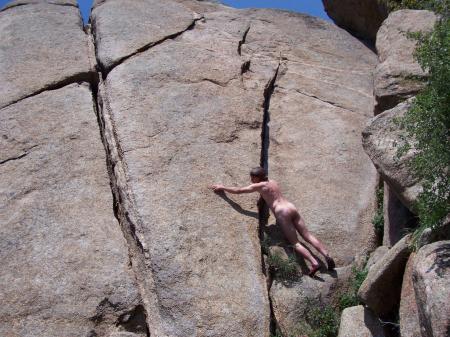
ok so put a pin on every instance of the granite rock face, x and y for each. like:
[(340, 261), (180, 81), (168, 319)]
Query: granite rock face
[(54, 53), (381, 141), (362, 18), (359, 321), (65, 265), (399, 76), (189, 94), (431, 280), (381, 288)]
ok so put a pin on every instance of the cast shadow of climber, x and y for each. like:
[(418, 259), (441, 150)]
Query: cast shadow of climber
[(237, 207)]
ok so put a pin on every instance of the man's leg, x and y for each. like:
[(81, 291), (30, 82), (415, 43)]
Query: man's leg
[(304, 232), (289, 231)]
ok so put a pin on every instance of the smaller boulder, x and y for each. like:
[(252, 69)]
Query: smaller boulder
[(376, 256), (381, 288), (431, 280), (381, 140), (409, 313), (359, 321), (398, 76), (361, 18)]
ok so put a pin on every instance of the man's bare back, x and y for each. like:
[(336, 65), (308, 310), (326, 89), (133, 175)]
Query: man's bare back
[(285, 213)]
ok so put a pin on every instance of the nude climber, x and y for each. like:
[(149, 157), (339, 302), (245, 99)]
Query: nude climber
[(286, 214)]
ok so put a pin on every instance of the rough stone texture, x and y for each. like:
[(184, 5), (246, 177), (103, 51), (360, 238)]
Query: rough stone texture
[(359, 321), (381, 141), (431, 280), (15, 3), (398, 219), (55, 52), (399, 76), (182, 120), (151, 22), (409, 312), (381, 288), (204, 92), (64, 260), (362, 18), (376, 256), (321, 101), (292, 299)]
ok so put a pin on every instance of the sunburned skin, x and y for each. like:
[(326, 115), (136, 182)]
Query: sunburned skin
[(286, 215)]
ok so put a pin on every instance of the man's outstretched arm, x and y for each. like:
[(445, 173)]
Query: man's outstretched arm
[(237, 190)]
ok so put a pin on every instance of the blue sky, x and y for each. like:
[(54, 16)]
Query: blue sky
[(313, 7)]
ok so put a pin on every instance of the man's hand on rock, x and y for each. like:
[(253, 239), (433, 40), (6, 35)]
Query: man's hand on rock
[(217, 188)]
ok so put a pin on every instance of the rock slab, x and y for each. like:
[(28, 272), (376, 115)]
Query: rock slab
[(65, 268), (399, 76), (182, 121), (431, 280), (359, 321), (380, 291), (54, 53), (381, 140)]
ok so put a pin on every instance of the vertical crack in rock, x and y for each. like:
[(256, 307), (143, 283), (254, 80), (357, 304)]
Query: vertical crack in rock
[(242, 40), (123, 210), (263, 210), (106, 70)]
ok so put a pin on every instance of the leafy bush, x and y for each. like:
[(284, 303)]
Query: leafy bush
[(378, 219), (438, 6), (284, 269), (350, 298), (427, 125), (323, 321)]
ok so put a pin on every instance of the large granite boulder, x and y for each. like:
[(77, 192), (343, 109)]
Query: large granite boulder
[(381, 140), (55, 52), (359, 321), (399, 76), (408, 311), (362, 18), (431, 280), (380, 291), (65, 265), (181, 120), (188, 111)]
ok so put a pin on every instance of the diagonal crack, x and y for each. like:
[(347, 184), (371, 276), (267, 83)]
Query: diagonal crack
[(106, 70), (27, 151), (323, 100), (88, 77)]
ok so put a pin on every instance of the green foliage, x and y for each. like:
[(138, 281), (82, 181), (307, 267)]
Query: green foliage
[(438, 6), (427, 125), (285, 269), (350, 298), (323, 321), (378, 219)]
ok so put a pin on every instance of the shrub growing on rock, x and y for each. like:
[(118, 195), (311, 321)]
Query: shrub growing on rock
[(427, 125)]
